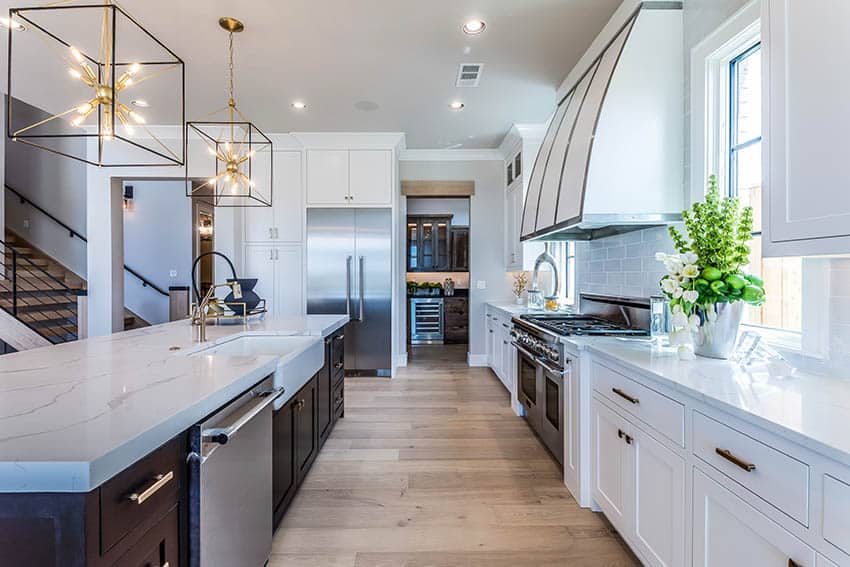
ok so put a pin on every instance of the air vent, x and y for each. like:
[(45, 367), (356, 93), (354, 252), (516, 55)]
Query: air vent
[(469, 74)]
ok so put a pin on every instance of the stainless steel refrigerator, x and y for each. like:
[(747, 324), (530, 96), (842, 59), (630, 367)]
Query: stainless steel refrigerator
[(349, 270)]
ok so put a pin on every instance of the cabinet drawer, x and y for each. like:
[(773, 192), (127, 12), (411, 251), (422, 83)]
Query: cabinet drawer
[(836, 519), (339, 400), (158, 547), (141, 492), (664, 414), (781, 480)]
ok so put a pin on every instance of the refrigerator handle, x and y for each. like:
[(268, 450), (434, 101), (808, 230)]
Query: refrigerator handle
[(362, 293), (348, 286)]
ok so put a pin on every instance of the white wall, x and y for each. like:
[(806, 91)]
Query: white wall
[(157, 239), (55, 183), (458, 208), (486, 231)]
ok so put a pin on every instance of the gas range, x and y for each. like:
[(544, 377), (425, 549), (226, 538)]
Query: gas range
[(601, 316)]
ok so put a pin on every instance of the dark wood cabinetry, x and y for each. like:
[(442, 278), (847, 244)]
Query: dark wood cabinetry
[(429, 243), (456, 320), (304, 423), (460, 249), (137, 518)]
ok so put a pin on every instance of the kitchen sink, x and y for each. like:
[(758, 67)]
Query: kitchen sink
[(300, 357)]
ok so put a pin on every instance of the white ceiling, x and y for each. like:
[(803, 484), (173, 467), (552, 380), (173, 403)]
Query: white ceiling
[(401, 55)]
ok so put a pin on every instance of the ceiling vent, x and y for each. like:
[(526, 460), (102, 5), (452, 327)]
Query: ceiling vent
[(469, 74)]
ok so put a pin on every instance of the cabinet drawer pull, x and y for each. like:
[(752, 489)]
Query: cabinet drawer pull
[(328, 341), (339, 337), (339, 365), (160, 481), (620, 433), (727, 454), (625, 396)]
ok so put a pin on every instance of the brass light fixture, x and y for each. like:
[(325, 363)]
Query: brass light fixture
[(73, 71), (237, 167)]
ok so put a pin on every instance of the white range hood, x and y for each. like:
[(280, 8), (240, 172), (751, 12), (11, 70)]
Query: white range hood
[(612, 159)]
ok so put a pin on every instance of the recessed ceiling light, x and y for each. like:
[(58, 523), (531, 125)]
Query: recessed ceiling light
[(474, 27), (299, 105), (12, 24), (456, 105), (140, 103)]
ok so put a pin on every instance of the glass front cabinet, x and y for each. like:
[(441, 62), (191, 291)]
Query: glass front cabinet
[(429, 244)]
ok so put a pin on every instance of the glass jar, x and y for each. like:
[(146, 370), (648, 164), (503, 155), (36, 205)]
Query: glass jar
[(659, 310), (535, 299)]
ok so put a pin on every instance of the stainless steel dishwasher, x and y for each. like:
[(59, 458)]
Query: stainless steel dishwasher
[(230, 487)]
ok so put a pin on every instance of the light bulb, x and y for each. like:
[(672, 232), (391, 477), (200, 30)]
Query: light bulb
[(84, 108), (74, 73), (212, 180), (76, 53), (212, 151), (128, 82), (134, 68), (77, 120)]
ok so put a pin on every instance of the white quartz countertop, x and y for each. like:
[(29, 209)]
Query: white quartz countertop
[(511, 308), (809, 409), (74, 415)]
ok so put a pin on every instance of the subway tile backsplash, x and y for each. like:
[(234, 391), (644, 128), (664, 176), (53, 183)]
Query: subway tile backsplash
[(622, 265)]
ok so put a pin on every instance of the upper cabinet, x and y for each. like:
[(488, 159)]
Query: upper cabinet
[(282, 222), (805, 123), (520, 157), (429, 242), (343, 178)]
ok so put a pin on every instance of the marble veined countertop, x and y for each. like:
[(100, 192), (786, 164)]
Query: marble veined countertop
[(74, 415), (812, 410)]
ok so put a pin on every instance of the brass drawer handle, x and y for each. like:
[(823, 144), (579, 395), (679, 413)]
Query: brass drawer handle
[(625, 396), (160, 481), (339, 337), (727, 454), (338, 365)]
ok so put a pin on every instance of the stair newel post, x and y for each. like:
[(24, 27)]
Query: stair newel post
[(14, 283)]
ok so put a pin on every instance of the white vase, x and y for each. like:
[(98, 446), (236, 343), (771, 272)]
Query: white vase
[(716, 339), (519, 300)]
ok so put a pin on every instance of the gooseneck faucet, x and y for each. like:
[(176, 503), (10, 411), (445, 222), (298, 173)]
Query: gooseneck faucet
[(199, 312), (546, 258)]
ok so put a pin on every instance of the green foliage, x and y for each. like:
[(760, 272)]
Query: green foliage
[(718, 231)]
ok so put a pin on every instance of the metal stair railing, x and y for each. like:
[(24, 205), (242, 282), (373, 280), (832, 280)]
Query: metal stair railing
[(35, 297), (75, 234)]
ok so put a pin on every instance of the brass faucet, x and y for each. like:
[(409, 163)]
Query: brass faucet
[(199, 312)]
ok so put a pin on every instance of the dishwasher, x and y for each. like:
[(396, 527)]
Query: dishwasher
[(230, 482)]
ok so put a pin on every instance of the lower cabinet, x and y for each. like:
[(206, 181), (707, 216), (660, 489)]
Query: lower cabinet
[(729, 532), (158, 547), (640, 486), (303, 424)]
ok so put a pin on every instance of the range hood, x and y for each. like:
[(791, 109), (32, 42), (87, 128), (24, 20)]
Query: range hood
[(612, 158)]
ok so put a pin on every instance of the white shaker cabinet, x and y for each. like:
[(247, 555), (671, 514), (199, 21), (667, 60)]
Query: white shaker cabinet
[(282, 222), (728, 532), (279, 273), (346, 178), (640, 486), (806, 182)]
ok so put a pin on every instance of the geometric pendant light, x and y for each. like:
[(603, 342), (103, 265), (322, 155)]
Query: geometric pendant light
[(229, 161), (90, 83)]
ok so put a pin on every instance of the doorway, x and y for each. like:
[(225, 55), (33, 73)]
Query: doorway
[(203, 240)]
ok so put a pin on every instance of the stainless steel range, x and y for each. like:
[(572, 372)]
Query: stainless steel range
[(543, 368)]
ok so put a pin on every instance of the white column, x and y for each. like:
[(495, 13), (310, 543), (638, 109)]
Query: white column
[(105, 253)]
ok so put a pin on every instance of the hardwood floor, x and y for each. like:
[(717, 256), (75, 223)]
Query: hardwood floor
[(433, 469)]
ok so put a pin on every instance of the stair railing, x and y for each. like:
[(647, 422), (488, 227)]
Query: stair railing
[(27, 291), (74, 234)]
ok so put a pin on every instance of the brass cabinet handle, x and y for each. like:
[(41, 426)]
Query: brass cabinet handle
[(299, 405), (727, 454), (338, 365), (160, 480), (625, 396), (328, 341), (339, 337)]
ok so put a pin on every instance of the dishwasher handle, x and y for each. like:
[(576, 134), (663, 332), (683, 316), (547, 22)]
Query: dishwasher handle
[(222, 435)]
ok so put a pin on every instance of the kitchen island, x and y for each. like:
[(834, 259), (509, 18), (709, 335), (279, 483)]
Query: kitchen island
[(80, 417)]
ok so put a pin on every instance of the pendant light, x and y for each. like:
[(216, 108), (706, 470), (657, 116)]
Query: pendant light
[(235, 168), (78, 77)]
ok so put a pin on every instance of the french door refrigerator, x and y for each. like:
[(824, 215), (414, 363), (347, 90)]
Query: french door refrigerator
[(349, 270)]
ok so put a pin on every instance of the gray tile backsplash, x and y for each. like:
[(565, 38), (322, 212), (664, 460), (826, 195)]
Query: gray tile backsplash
[(622, 265)]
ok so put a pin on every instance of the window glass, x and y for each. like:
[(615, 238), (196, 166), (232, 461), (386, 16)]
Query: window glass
[(782, 276)]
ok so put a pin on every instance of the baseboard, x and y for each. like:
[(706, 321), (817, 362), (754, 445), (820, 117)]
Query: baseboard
[(476, 359), (401, 360)]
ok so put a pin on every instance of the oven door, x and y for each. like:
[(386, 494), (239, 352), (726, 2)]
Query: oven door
[(527, 370), (551, 408)]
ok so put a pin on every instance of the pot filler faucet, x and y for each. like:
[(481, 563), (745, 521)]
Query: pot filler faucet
[(546, 258)]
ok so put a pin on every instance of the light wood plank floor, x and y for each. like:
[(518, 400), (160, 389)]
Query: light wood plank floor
[(433, 469)]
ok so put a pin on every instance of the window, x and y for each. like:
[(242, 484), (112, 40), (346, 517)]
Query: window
[(565, 256), (782, 276)]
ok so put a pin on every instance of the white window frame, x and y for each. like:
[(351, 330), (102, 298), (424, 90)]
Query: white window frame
[(709, 149)]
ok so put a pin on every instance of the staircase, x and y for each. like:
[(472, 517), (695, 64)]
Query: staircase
[(42, 293)]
